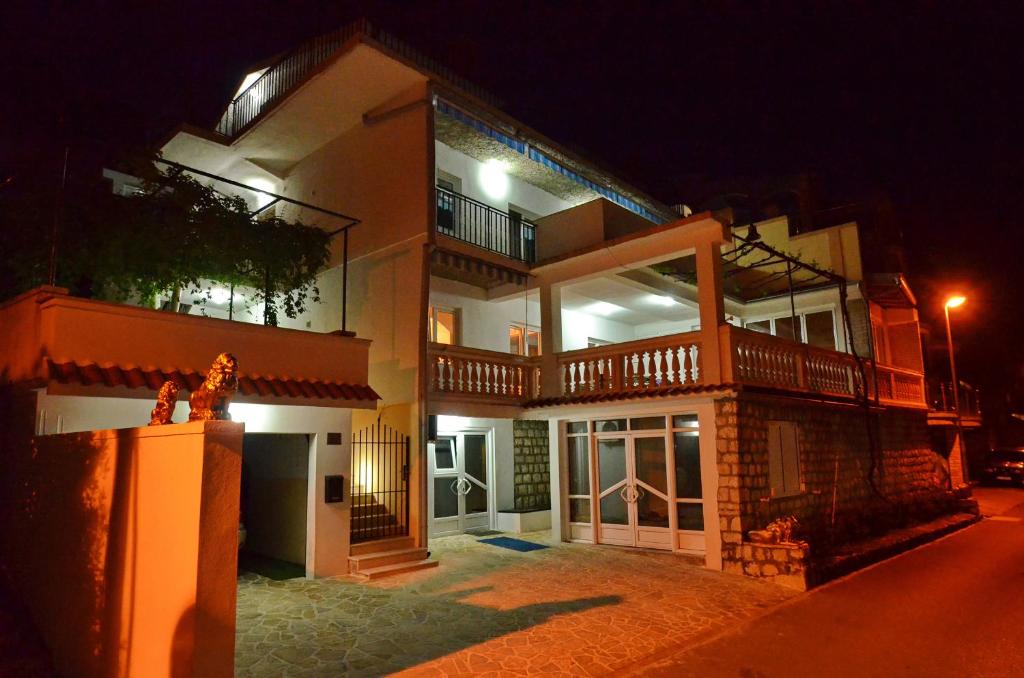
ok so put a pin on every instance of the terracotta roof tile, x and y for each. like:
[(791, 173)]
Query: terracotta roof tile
[(89, 374)]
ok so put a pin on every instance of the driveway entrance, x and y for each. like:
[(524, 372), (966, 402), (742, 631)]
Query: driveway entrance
[(568, 609)]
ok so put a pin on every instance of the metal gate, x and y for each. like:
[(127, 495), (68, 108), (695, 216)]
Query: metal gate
[(380, 483)]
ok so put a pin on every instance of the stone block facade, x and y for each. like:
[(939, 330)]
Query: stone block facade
[(532, 482), (784, 564), (860, 473)]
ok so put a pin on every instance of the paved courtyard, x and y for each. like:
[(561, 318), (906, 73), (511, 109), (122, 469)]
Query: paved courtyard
[(570, 609)]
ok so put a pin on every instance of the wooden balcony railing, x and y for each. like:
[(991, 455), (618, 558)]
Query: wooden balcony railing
[(480, 374), (632, 366)]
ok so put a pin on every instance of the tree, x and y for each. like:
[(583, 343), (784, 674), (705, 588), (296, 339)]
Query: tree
[(173, 237)]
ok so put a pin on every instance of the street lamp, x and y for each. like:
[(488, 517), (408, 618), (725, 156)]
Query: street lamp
[(954, 302)]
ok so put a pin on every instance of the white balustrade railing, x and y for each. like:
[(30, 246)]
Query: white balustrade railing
[(631, 366), (489, 375)]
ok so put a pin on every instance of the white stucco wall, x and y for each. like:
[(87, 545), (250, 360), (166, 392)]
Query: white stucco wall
[(520, 193), (327, 530), (484, 324)]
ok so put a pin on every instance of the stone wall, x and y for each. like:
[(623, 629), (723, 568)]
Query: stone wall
[(532, 490), (903, 481)]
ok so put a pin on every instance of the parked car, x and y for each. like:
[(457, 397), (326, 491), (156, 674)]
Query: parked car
[(1004, 465)]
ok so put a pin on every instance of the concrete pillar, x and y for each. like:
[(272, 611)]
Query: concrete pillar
[(712, 309), (550, 339)]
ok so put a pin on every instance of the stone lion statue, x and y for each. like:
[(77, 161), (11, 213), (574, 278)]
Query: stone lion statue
[(779, 531), (212, 398), (165, 401)]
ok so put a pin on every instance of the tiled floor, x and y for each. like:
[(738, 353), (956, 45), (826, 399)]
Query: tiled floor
[(570, 609)]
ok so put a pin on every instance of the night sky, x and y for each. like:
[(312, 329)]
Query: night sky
[(922, 101)]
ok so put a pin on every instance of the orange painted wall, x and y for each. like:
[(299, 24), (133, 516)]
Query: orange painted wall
[(122, 544)]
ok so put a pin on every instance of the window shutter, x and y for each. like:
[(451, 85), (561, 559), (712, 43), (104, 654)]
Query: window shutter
[(775, 464), (783, 458)]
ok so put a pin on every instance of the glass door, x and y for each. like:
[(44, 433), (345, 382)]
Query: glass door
[(633, 492), (460, 489)]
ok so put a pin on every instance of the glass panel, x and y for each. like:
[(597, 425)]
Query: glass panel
[(515, 340), (430, 323), (650, 463), (821, 330), (652, 511), (646, 423), (446, 502), (579, 465), (476, 499), (684, 421), (475, 456), (611, 459), (762, 326), (687, 452), (577, 427), (579, 510), (606, 425), (613, 510), (445, 327), (690, 517), (444, 454), (532, 342), (784, 328)]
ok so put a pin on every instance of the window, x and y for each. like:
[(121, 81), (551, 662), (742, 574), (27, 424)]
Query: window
[(444, 454), (523, 340), (817, 328), (450, 187), (594, 343), (442, 325), (689, 492), (783, 458), (578, 440)]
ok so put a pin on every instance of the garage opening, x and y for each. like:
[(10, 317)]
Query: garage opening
[(274, 497)]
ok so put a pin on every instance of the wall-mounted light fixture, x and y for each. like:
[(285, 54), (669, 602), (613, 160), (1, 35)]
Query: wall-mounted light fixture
[(494, 179)]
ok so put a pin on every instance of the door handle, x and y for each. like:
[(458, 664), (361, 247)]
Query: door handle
[(624, 493), (468, 486), (452, 486), (638, 493)]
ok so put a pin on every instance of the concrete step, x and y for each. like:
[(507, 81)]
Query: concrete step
[(358, 523), (378, 545), (370, 560), (397, 568)]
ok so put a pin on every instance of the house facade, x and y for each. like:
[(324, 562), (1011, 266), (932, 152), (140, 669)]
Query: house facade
[(554, 349)]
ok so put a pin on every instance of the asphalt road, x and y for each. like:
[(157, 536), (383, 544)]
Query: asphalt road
[(954, 607)]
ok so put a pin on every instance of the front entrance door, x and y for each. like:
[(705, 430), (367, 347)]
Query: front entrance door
[(633, 500), (460, 486)]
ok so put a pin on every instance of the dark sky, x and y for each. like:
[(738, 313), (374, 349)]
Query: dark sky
[(922, 101)]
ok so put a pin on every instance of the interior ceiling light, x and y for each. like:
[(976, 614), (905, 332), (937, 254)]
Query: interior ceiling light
[(661, 300), (602, 308), (494, 179)]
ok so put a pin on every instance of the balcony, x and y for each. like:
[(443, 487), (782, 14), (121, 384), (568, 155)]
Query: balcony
[(940, 399), (90, 347), (478, 224), (670, 365)]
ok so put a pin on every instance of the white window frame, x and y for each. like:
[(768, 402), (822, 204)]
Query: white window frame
[(525, 328), (801, 318), (432, 310)]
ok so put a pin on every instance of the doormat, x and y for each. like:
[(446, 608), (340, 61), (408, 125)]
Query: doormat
[(514, 544), (483, 532)]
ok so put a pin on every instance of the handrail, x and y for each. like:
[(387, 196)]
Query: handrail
[(667, 361), (479, 224), (482, 374), (290, 69)]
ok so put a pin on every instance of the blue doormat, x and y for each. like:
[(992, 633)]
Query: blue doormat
[(514, 544)]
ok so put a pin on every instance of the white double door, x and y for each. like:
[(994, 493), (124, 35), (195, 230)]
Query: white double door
[(460, 489), (633, 490)]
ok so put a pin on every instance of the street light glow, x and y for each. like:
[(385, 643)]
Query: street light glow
[(956, 300)]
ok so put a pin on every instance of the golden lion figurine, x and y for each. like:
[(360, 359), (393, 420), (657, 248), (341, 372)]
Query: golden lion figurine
[(165, 401), (212, 398)]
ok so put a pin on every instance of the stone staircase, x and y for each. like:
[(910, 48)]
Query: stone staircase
[(368, 515), (386, 557)]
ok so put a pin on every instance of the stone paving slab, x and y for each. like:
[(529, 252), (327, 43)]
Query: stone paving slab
[(571, 609)]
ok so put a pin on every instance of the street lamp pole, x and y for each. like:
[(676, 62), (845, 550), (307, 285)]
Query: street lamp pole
[(953, 302)]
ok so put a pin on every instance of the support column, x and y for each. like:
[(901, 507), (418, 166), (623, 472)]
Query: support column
[(550, 339), (712, 309)]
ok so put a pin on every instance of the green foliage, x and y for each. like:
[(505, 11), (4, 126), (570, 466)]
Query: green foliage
[(176, 235)]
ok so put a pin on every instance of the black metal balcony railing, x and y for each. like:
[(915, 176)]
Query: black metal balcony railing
[(940, 398), (478, 224), (293, 67)]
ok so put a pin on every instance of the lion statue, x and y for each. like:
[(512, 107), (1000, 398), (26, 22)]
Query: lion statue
[(212, 398), (165, 401), (779, 531)]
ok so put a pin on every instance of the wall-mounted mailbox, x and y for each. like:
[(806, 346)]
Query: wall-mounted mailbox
[(334, 489)]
